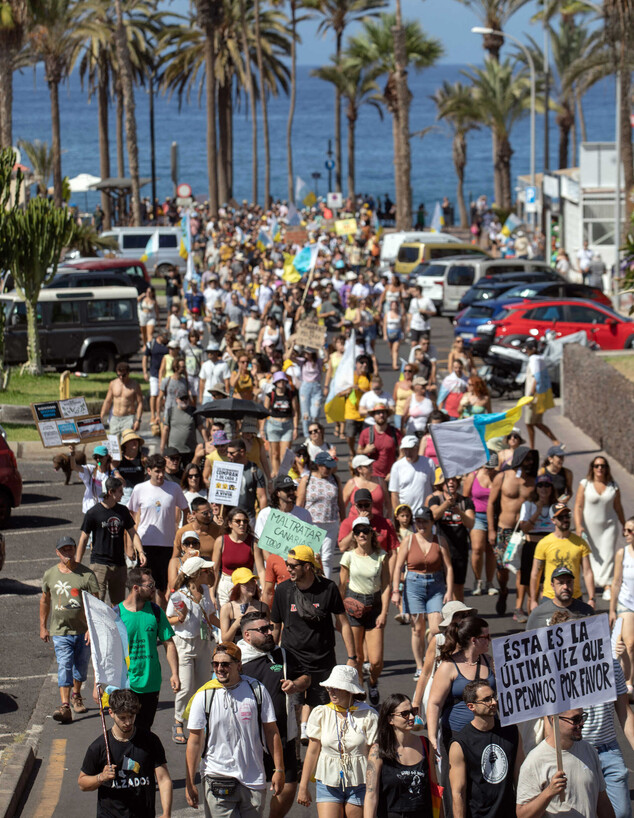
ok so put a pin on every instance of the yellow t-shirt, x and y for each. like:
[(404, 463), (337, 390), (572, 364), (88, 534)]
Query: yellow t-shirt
[(215, 455), (554, 552), (351, 411)]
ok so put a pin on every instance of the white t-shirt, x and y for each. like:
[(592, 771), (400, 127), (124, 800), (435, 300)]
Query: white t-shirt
[(544, 524), (583, 771), (535, 366), (234, 748), (157, 504), (190, 628), (419, 322), (214, 373), (93, 479), (360, 291), (413, 482), (584, 257), (263, 516), (370, 399)]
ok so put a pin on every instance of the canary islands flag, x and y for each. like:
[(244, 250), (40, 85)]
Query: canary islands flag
[(303, 194), (342, 381), (438, 220), (152, 247), (461, 445)]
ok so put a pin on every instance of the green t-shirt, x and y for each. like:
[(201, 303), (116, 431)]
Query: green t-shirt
[(67, 612), (145, 668)]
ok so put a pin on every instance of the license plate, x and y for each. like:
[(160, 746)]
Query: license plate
[(467, 335)]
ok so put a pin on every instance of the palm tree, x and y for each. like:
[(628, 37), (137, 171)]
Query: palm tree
[(373, 49), (456, 106), (41, 158), (14, 19), (494, 14), (501, 98), (357, 86), (337, 15)]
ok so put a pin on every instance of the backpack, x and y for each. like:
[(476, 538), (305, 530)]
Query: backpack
[(209, 697), (391, 431)]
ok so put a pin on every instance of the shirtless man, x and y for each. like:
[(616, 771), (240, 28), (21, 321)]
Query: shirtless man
[(126, 401), (512, 486)]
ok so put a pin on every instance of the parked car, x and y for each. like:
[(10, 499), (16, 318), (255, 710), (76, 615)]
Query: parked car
[(133, 241), (497, 280), (558, 289), (79, 328), (602, 325), (390, 243), (10, 487), (411, 254), (447, 280), (469, 321), (134, 268)]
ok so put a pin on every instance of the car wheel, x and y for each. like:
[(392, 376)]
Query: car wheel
[(163, 270), (5, 508), (629, 344), (98, 359)]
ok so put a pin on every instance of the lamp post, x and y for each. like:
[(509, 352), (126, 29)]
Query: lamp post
[(531, 68)]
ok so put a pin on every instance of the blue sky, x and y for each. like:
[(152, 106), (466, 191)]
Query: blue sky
[(447, 20)]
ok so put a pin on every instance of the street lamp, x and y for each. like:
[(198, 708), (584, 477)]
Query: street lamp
[(531, 67)]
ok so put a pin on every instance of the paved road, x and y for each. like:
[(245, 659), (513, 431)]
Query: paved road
[(51, 509)]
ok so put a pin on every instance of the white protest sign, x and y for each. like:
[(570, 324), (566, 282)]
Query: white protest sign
[(549, 670), (282, 532), (113, 447), (226, 482), (73, 407)]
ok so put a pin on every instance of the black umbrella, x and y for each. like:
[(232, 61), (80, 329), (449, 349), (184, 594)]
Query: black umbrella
[(232, 408)]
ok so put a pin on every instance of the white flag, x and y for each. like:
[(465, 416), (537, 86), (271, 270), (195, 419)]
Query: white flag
[(108, 643)]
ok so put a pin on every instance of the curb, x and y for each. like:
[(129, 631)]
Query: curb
[(18, 760), (33, 449)]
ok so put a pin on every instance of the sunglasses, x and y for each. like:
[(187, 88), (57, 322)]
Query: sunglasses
[(599, 465), (364, 531), (149, 585), (313, 431), (486, 700), (293, 565), (193, 474), (363, 505), (628, 530), (576, 720), (405, 714), (240, 522), (264, 630), (216, 665)]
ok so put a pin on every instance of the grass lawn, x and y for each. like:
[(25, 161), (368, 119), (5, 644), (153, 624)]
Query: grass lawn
[(25, 389), (623, 363), (17, 432)]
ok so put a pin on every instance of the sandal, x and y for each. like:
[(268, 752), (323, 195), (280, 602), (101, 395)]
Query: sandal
[(178, 737)]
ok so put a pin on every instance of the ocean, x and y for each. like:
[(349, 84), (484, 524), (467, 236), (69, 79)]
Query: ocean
[(432, 169)]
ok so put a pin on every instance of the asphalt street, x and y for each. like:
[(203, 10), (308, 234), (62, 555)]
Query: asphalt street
[(51, 509)]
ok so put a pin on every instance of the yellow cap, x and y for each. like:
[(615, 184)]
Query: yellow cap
[(242, 575), (304, 553), (439, 477)]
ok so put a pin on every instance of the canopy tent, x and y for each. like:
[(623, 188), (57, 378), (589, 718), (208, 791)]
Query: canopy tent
[(83, 183), (117, 188)]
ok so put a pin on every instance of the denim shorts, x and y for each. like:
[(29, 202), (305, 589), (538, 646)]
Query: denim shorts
[(423, 592), (73, 655), (481, 521), (394, 335), (278, 430), (340, 795)]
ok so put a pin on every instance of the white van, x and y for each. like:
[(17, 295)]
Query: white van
[(133, 241), (390, 243)]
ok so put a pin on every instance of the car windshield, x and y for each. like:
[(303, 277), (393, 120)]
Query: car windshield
[(523, 291), (487, 293), (481, 312), (436, 270)]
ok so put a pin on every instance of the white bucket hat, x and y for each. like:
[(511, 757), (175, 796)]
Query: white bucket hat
[(344, 677), (450, 609)]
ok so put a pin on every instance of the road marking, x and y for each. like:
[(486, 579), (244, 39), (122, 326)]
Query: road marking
[(35, 530), (39, 505), (52, 786), (22, 678), (20, 562)]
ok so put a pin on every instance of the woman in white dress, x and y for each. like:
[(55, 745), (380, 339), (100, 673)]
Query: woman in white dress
[(599, 515)]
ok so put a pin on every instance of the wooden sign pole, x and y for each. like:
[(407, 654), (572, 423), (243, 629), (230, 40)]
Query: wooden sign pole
[(560, 760)]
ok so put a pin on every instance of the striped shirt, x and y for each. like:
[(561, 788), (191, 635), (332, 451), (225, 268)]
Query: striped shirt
[(599, 727)]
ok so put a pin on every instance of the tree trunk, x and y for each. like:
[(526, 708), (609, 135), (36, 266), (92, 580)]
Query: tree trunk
[(127, 87), (6, 95), (505, 152), (581, 117), (397, 159), (119, 129), (404, 202), (252, 104), (352, 119), (223, 184), (291, 103), (104, 145), (230, 143), (564, 142), (56, 152), (33, 364), (627, 154), (459, 150), (263, 103), (497, 180), (338, 149), (210, 90)]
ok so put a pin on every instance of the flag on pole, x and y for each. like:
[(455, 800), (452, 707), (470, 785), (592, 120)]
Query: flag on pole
[(239, 235), (438, 220), (461, 445), (290, 274), (306, 259), (511, 224), (274, 231), (152, 247), (342, 381), (108, 644), (185, 245), (264, 240), (293, 219), (303, 194)]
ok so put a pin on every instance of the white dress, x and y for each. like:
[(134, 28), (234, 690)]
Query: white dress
[(602, 525)]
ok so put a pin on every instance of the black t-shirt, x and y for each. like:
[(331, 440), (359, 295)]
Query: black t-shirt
[(155, 352), (310, 645), (271, 674), (451, 526), (132, 471), (281, 405), (132, 793), (405, 788), (490, 762), (107, 526), (174, 477)]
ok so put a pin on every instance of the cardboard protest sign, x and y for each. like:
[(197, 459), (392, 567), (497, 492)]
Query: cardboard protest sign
[(114, 448), (346, 227), (549, 670), (298, 235), (226, 482), (282, 532), (60, 422), (310, 334), (287, 462)]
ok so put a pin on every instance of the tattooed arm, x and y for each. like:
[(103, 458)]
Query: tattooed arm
[(373, 783)]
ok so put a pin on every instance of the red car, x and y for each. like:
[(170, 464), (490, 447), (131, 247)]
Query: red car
[(10, 482), (523, 319)]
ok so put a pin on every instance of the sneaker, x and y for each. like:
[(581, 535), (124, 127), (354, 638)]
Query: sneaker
[(402, 618), (373, 691), (519, 616), (500, 605), (366, 668), (417, 674), (493, 591), (78, 703), (479, 588), (63, 714), (304, 735), (607, 594)]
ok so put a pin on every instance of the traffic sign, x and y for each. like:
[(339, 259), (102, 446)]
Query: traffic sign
[(184, 191), (330, 163), (334, 201), (531, 195)]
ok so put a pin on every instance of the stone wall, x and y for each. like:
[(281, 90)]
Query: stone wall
[(600, 401)]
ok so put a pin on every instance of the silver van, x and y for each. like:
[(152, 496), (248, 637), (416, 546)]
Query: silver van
[(446, 280), (84, 328), (133, 241)]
